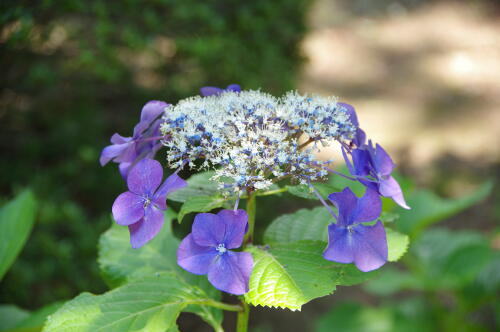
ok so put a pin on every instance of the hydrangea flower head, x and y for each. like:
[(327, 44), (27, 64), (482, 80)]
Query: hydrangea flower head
[(126, 151), (251, 138), (349, 240), (141, 208), (206, 250), (214, 91)]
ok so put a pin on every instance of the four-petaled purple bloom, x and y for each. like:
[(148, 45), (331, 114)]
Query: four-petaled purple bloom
[(349, 240), (142, 207), (206, 250), (215, 91), (374, 162), (145, 142)]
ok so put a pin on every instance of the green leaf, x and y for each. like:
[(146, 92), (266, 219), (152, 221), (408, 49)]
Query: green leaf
[(389, 217), (10, 316), (151, 303), (304, 224), (304, 191), (450, 259), (352, 317), (397, 244), (16, 221), (411, 315), (200, 204), (427, 208), (30, 322), (391, 281), (441, 259), (198, 185), (489, 277), (291, 274), (313, 225), (120, 263)]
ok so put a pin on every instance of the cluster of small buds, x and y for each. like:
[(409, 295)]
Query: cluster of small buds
[(251, 138)]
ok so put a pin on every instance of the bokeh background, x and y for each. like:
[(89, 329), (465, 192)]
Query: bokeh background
[(424, 76)]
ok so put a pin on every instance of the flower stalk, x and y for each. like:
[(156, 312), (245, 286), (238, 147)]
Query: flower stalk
[(251, 210), (243, 316)]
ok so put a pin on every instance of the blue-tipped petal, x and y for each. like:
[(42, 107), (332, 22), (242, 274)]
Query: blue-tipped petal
[(359, 138), (368, 207), (365, 246), (390, 188), (382, 161), (124, 168), (230, 272), (128, 208), (361, 162), (348, 163), (346, 202), (171, 184), (149, 113), (152, 110), (208, 230), (234, 88), (194, 258), (119, 139), (236, 225), (339, 248), (147, 228), (145, 177), (351, 112), (371, 250), (111, 152), (210, 91)]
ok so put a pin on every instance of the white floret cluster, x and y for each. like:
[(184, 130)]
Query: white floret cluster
[(251, 138)]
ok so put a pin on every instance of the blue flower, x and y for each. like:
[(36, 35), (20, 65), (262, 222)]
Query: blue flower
[(349, 240), (212, 90), (145, 142), (206, 250), (373, 167), (360, 136), (141, 208)]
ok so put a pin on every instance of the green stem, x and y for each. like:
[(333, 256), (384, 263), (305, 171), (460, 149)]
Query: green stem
[(243, 316), (220, 305), (251, 209), (267, 193), (242, 322), (272, 192)]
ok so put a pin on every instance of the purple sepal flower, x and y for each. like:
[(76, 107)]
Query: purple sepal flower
[(206, 250), (215, 91), (127, 151), (141, 208), (360, 136), (349, 240), (373, 167)]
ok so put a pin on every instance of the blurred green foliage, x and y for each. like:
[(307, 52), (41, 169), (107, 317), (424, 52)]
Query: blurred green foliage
[(74, 72), (16, 221)]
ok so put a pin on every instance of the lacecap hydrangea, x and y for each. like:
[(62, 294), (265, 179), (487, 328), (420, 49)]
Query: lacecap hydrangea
[(252, 141)]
